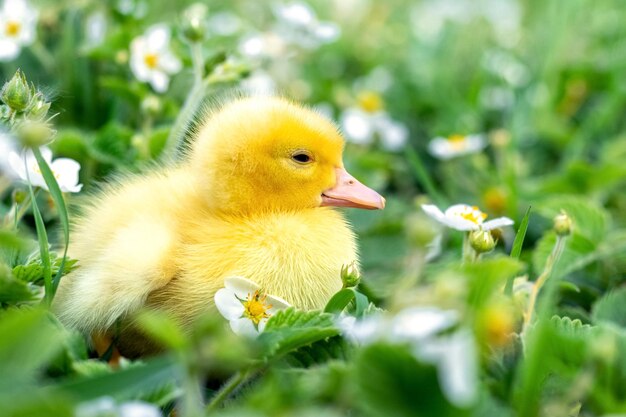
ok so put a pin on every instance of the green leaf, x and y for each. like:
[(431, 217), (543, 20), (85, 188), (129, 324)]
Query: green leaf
[(292, 329), (29, 340), (589, 219), (488, 276), (611, 308), (161, 327), (132, 382), (391, 382), (578, 253), (517, 248), (33, 271), (13, 290), (339, 301)]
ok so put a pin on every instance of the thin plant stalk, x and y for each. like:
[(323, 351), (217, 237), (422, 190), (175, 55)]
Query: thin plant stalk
[(191, 105), (557, 250), (227, 389)]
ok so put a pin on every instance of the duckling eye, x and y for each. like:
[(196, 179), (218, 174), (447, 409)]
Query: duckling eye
[(301, 157)]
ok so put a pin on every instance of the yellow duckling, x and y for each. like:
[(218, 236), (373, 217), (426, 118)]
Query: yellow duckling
[(253, 197)]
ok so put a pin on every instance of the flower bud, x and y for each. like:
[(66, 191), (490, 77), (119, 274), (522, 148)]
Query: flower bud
[(482, 241), (19, 196), (38, 107), (16, 93), (33, 134), (350, 275), (420, 230), (563, 224), (151, 105), (194, 22)]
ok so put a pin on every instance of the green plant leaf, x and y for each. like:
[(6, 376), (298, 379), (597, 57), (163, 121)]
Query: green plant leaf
[(589, 219), (391, 382), (13, 290), (339, 301), (611, 308), (291, 329), (488, 276), (132, 382)]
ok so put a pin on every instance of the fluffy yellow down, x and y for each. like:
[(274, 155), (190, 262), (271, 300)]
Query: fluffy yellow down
[(238, 204)]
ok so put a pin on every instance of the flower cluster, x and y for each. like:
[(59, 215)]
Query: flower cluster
[(456, 145), (465, 218)]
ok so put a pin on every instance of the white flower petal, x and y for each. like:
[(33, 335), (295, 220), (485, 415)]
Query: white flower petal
[(417, 323), (327, 31), (159, 81), (228, 305), (16, 162), (240, 285), (433, 211), (394, 135), (358, 126), (66, 171), (277, 303), (243, 327), (158, 37), (9, 50), (365, 330), (139, 409), (169, 63), (298, 14), (495, 223)]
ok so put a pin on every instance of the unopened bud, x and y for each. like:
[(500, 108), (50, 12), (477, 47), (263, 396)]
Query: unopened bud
[(482, 241), (350, 275), (33, 134), (38, 107), (19, 196), (194, 22), (16, 93), (151, 105), (563, 224)]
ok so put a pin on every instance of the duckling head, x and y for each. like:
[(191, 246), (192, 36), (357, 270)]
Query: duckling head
[(268, 154)]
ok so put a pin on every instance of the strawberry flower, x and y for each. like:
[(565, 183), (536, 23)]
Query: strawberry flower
[(65, 170), (18, 21), (151, 59), (246, 306), (465, 218)]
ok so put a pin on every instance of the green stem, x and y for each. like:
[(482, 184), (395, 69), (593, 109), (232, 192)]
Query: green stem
[(557, 250), (233, 383), (191, 105), (469, 254)]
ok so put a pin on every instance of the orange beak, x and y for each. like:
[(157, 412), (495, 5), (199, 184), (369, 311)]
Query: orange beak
[(351, 193)]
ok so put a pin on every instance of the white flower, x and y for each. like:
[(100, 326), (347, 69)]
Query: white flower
[(138, 409), (95, 29), (299, 25), (246, 306), (262, 45), (151, 59), (456, 145), (453, 354), (65, 170), (224, 23), (362, 127), (465, 218), (455, 358), (7, 147), (259, 83), (18, 21), (106, 407)]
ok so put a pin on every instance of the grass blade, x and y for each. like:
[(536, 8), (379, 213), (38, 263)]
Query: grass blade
[(57, 197), (42, 238), (517, 247)]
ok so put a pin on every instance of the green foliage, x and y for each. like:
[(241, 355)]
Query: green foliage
[(392, 382), (291, 329), (611, 308)]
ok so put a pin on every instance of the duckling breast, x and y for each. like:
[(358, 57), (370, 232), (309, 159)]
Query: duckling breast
[(295, 255)]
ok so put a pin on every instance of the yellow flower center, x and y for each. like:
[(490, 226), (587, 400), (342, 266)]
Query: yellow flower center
[(12, 28), (370, 101), (151, 60), (457, 141), (255, 308), (475, 215)]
